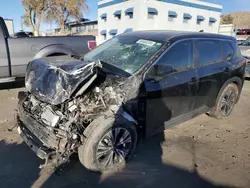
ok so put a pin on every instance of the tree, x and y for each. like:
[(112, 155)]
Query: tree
[(227, 19), (61, 11), (34, 11)]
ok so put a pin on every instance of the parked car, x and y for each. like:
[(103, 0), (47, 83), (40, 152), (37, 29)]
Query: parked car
[(17, 52), (132, 86), (23, 34), (243, 32), (244, 47), (240, 41)]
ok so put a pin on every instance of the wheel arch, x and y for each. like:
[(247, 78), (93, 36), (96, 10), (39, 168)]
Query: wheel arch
[(54, 49), (236, 80)]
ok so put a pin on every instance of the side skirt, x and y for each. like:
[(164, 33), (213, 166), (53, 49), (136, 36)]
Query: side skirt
[(182, 118)]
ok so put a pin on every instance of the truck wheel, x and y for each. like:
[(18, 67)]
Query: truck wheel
[(225, 102), (109, 144)]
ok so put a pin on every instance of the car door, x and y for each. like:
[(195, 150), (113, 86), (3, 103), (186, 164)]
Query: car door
[(175, 93), (213, 70)]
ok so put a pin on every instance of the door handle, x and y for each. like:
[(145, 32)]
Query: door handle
[(192, 81)]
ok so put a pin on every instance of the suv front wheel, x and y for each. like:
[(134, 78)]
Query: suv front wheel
[(226, 101), (109, 143)]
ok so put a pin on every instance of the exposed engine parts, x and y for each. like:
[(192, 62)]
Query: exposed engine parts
[(68, 120), (59, 110)]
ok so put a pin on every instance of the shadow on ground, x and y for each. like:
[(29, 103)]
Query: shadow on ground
[(18, 165), (12, 85), (143, 171), (20, 168)]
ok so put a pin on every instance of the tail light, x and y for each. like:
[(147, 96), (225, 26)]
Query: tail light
[(91, 45)]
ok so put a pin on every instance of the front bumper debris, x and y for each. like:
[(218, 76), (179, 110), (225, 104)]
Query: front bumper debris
[(40, 131), (40, 138), (34, 144)]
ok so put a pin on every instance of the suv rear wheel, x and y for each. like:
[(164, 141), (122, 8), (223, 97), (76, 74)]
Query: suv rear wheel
[(226, 101), (110, 142)]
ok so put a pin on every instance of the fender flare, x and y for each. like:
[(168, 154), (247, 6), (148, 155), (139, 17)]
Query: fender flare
[(236, 80), (52, 49)]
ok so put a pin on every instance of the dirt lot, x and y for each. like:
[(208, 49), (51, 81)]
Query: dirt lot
[(203, 152)]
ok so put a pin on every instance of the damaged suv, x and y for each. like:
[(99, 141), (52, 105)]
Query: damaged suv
[(132, 86)]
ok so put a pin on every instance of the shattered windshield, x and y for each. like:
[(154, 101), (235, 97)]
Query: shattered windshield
[(126, 53)]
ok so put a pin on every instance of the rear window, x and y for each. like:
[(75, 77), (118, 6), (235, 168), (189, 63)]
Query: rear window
[(228, 50), (209, 51)]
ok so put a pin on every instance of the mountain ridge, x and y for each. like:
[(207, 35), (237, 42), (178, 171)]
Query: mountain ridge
[(241, 20)]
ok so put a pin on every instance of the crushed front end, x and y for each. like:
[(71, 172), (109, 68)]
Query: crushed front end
[(52, 121)]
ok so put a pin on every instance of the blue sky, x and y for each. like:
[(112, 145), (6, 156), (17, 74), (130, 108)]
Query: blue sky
[(13, 9)]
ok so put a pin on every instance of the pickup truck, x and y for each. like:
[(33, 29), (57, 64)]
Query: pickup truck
[(16, 53)]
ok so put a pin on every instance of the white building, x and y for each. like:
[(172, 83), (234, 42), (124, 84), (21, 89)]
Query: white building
[(10, 25), (118, 16)]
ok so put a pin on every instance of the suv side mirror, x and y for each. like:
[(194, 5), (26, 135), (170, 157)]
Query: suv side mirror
[(159, 71), (163, 70)]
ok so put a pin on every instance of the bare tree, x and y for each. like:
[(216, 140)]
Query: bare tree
[(34, 11), (61, 11)]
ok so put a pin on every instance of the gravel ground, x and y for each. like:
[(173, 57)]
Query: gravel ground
[(202, 152)]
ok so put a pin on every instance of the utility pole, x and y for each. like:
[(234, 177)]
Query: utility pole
[(21, 19)]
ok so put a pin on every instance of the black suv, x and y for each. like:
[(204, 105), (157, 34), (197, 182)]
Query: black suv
[(128, 88)]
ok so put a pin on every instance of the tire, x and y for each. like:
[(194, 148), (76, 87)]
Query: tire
[(219, 111), (97, 135)]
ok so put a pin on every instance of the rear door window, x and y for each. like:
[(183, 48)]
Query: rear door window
[(227, 50), (179, 56), (209, 51)]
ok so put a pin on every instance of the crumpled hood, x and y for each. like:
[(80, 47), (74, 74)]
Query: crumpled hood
[(53, 80)]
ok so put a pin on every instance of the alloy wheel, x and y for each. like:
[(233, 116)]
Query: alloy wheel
[(114, 147), (228, 102)]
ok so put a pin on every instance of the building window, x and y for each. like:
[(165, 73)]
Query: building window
[(200, 19), (113, 32), (199, 22), (117, 14), (172, 15), (212, 21), (104, 34), (186, 17), (130, 13), (104, 17), (152, 12)]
